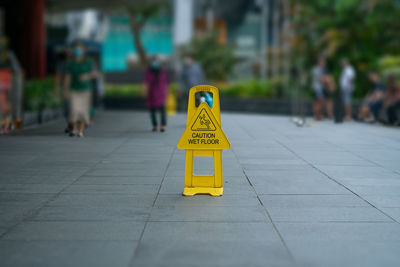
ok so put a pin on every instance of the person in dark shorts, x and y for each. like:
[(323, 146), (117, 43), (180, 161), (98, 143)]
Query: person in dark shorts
[(372, 104), (323, 85), (328, 90), (392, 101)]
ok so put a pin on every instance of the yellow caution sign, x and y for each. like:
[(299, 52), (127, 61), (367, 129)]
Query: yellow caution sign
[(203, 137)]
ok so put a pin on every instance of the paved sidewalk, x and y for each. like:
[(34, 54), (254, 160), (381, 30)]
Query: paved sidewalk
[(324, 195)]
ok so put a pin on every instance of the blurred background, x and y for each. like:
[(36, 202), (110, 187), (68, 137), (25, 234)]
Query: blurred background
[(259, 53)]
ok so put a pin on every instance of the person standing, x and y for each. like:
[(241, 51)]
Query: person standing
[(329, 90), (192, 75), (156, 86), (392, 101), (79, 73), (347, 78), (371, 106), (317, 74)]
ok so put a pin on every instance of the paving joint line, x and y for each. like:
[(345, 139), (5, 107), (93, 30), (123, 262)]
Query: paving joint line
[(361, 157), (337, 182), (35, 211), (266, 213), (151, 209)]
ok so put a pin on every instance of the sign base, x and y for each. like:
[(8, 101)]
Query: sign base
[(213, 191)]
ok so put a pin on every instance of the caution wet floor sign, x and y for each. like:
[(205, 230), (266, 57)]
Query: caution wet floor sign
[(203, 137), (204, 132)]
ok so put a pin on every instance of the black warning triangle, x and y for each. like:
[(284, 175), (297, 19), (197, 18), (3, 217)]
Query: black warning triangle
[(203, 122)]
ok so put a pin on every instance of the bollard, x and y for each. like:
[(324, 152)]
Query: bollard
[(203, 137)]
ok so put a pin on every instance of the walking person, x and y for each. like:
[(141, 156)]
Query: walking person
[(347, 78), (79, 74), (156, 87)]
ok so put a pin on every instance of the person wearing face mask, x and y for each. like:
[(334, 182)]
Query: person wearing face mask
[(79, 73), (156, 87)]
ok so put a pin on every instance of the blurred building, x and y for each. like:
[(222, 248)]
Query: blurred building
[(38, 28)]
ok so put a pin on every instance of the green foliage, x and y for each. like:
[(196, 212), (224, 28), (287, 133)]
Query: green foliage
[(39, 94), (130, 90), (390, 65), (362, 31), (250, 88), (143, 11), (123, 90), (216, 59)]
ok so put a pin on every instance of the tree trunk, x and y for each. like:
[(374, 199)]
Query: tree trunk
[(136, 29), (276, 36), (287, 44)]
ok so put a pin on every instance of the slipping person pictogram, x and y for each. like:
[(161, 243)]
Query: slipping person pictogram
[(203, 122)]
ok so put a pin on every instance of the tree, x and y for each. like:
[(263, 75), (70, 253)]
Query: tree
[(139, 15), (361, 30), (216, 59)]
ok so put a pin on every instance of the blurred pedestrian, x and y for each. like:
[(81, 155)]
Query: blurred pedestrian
[(97, 92), (156, 86), (5, 87), (317, 74), (372, 103), (192, 75), (347, 78), (392, 101), (329, 89), (80, 72), (59, 81)]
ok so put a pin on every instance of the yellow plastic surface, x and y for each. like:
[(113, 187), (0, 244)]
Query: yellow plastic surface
[(203, 131), (203, 137)]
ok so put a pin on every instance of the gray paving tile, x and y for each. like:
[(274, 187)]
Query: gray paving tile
[(31, 188), (103, 200), (117, 169), (288, 185), (311, 201), (366, 190), (72, 230), (15, 213), (124, 172), (327, 214), (88, 213), (66, 253), (208, 214), (3, 230), (292, 171), (393, 212), (206, 201), (125, 180), (112, 189), (344, 231), (338, 253), (384, 201), (211, 244), (24, 199)]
